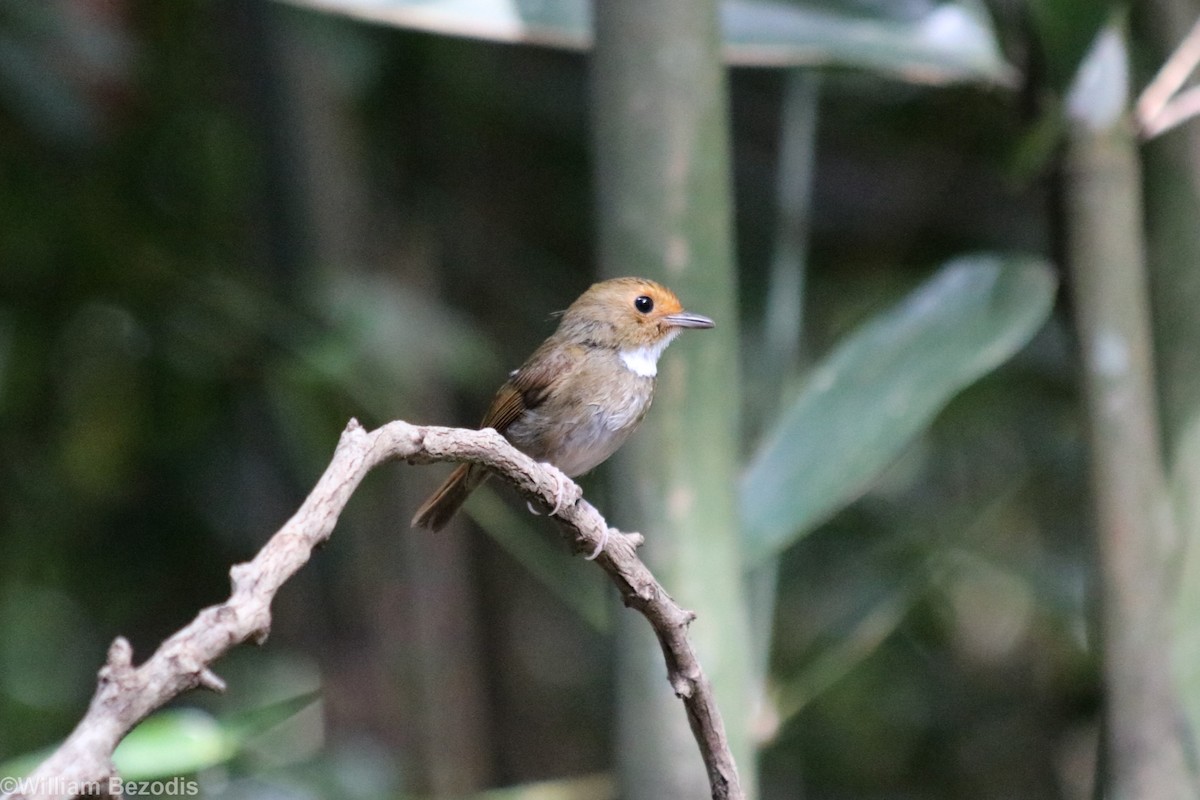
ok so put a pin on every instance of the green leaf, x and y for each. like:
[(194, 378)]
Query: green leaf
[(573, 582), (883, 385), (555, 23), (181, 741), (863, 636), (941, 43), (263, 718), (584, 787), (175, 742), (946, 42), (21, 765)]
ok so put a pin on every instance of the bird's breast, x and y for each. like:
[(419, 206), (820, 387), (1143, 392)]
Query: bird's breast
[(578, 431)]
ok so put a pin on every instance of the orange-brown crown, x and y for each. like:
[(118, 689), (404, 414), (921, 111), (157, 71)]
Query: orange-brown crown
[(626, 313)]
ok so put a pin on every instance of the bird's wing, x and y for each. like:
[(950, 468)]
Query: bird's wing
[(527, 387)]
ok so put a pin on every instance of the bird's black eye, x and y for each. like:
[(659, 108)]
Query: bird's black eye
[(643, 304)]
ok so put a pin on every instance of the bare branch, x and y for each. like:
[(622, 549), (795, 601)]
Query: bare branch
[(1153, 111), (126, 694), (1177, 111)]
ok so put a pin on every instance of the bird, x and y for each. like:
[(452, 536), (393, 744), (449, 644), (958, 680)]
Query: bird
[(580, 395)]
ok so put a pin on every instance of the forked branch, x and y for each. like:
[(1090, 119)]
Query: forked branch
[(1164, 103), (127, 694)]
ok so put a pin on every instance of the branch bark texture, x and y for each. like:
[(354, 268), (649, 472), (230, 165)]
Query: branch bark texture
[(127, 694)]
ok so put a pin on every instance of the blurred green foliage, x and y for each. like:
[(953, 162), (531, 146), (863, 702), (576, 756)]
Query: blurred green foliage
[(226, 227), (881, 386)]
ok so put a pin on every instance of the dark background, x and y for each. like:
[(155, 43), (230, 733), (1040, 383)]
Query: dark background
[(228, 227)]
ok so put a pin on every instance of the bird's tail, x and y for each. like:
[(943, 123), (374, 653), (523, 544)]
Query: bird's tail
[(435, 512)]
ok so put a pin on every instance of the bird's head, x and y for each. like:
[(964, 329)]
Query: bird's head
[(628, 314)]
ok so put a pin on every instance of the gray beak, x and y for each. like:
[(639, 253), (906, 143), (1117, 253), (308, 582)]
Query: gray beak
[(686, 319)]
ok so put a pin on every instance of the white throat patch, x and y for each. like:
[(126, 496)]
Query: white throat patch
[(643, 360)]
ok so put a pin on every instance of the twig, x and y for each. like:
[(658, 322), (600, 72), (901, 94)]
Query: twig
[(1182, 107), (1161, 106), (126, 694)]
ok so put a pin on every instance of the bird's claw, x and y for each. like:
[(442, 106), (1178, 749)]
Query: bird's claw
[(599, 547), (560, 492)]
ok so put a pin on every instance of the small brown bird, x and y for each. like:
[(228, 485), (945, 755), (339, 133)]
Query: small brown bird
[(583, 391)]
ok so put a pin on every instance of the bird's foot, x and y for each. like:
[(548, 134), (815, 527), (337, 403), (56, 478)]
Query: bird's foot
[(560, 489), (599, 546), (560, 492)]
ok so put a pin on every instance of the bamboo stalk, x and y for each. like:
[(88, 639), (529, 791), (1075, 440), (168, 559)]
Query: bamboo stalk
[(664, 211), (1135, 532)]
